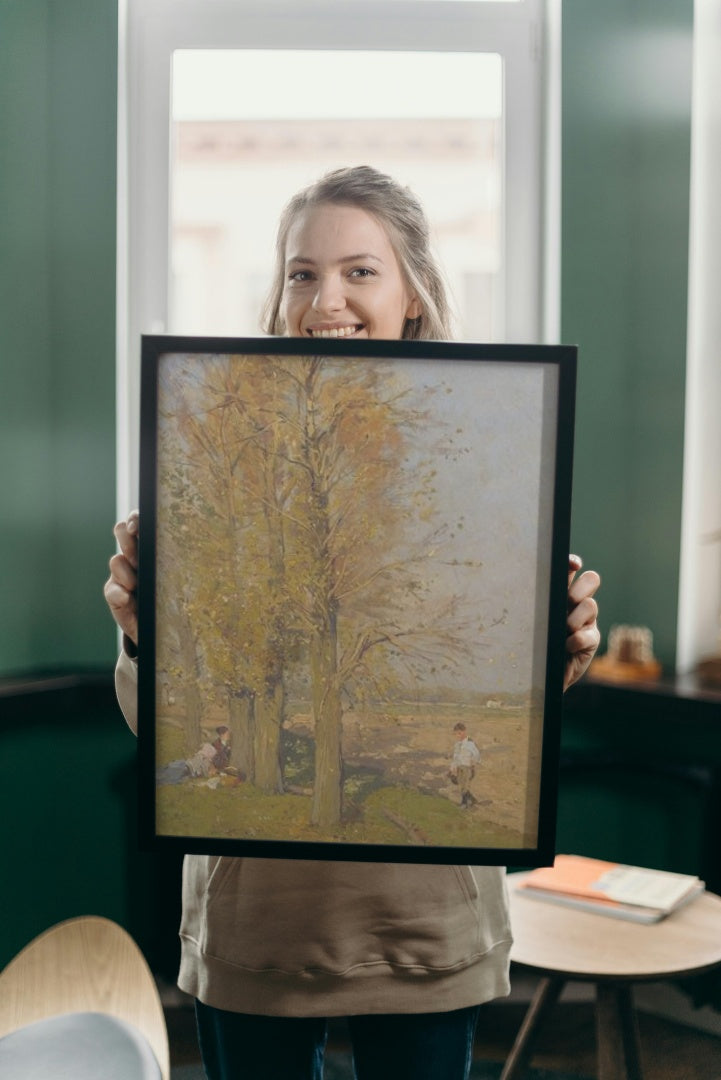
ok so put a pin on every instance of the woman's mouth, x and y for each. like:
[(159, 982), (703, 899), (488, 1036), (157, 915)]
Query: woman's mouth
[(335, 331)]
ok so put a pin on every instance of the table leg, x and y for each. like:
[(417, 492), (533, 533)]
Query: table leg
[(617, 1033), (545, 997)]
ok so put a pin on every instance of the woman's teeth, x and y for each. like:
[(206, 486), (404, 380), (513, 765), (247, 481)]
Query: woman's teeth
[(337, 331)]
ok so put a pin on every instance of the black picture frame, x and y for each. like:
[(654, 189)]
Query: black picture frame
[(317, 575)]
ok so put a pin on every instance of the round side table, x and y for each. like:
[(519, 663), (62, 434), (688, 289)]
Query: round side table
[(563, 944)]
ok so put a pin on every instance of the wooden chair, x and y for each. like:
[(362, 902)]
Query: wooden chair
[(85, 970)]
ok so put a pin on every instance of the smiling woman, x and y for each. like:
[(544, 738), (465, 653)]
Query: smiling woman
[(353, 259), (332, 292), (382, 942)]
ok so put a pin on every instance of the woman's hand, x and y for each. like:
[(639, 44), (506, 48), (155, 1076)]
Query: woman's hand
[(121, 587), (583, 635)]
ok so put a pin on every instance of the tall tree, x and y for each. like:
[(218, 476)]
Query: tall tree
[(364, 527), (315, 512), (234, 467)]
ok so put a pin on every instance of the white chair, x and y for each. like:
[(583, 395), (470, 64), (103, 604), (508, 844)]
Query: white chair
[(79, 1002)]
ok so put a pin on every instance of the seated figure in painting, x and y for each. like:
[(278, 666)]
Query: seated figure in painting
[(209, 760), (199, 765)]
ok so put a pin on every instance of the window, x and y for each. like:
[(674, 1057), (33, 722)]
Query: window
[(236, 160), (227, 107)]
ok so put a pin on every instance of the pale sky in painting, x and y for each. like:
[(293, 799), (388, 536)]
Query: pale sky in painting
[(498, 489)]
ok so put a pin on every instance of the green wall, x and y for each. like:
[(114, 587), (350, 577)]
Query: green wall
[(69, 813), (625, 201), (58, 73)]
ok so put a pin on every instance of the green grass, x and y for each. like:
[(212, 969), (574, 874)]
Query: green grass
[(441, 822), (374, 812), (243, 812), (171, 744)]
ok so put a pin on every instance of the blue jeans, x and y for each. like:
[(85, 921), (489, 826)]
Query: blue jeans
[(416, 1046)]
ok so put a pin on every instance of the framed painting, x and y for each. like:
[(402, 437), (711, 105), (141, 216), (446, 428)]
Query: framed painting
[(352, 597)]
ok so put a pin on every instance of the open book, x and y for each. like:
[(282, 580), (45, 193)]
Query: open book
[(608, 888)]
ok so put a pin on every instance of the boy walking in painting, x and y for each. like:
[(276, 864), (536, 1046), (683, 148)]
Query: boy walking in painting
[(466, 756)]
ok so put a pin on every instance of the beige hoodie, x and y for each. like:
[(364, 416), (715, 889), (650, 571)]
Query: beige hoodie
[(284, 937)]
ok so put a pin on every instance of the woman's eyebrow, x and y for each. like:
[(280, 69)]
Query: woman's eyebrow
[(361, 257)]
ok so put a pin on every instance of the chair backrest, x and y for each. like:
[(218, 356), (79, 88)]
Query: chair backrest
[(88, 964)]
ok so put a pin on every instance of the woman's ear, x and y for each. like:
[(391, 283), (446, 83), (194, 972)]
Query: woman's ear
[(415, 309)]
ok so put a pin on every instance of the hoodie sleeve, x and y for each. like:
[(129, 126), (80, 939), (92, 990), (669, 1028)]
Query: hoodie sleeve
[(126, 688)]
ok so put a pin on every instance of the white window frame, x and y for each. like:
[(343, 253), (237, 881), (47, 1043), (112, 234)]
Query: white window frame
[(526, 34), (699, 597)]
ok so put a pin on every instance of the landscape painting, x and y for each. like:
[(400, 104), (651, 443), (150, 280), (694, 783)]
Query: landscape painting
[(352, 597)]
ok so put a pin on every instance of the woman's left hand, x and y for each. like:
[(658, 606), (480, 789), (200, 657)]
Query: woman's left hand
[(583, 636)]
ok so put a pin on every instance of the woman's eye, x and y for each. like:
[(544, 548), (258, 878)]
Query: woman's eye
[(300, 276), (362, 272)]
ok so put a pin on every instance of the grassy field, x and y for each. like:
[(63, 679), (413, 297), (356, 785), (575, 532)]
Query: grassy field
[(396, 784), (244, 813)]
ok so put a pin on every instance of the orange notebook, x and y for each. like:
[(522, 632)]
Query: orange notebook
[(631, 892)]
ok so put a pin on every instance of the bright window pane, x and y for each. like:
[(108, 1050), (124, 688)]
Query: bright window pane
[(432, 120)]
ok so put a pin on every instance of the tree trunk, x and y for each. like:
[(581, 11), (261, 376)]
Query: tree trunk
[(192, 702), (327, 805), (241, 721), (327, 808), (270, 702), (269, 709)]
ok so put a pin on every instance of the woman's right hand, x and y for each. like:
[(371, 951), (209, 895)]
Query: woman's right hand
[(121, 587)]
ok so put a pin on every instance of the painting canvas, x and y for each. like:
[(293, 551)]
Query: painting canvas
[(352, 594)]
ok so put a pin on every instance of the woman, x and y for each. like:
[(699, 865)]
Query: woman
[(271, 948)]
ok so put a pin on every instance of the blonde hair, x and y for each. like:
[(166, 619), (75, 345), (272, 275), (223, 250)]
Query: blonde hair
[(403, 217)]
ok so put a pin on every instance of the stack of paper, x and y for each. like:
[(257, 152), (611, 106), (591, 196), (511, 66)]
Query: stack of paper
[(624, 892)]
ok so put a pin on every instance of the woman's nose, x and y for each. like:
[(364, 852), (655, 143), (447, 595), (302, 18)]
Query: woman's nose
[(329, 296)]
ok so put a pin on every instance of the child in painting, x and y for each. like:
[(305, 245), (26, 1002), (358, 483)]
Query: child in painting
[(221, 746), (272, 948), (466, 756), (192, 768), (210, 759)]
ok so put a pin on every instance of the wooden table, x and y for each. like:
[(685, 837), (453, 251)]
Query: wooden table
[(563, 944)]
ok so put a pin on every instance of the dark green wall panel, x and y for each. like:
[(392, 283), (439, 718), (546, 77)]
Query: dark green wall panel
[(626, 147), (58, 78), (25, 397), (69, 841), (69, 804)]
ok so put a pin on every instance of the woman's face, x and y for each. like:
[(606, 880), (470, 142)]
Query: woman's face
[(342, 277)]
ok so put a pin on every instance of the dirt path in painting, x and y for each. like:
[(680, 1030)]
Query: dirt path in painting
[(416, 751)]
